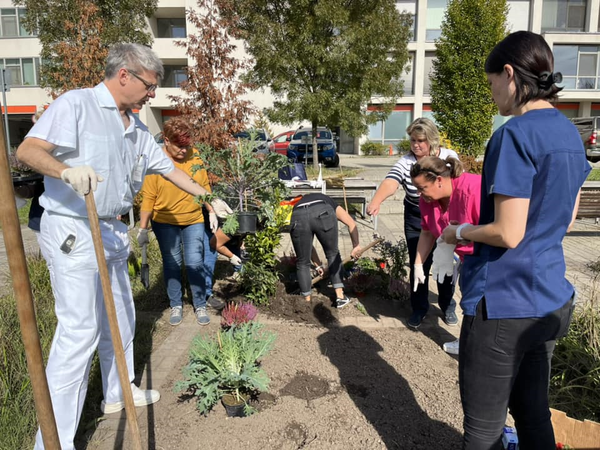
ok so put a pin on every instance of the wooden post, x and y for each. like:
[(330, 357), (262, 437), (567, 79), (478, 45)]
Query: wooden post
[(13, 241)]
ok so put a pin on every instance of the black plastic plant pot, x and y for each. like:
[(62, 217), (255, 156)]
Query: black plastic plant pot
[(247, 222), (233, 407)]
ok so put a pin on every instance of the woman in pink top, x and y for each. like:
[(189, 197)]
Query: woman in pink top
[(448, 194)]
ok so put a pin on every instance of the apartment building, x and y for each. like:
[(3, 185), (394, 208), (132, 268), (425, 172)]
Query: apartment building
[(571, 27)]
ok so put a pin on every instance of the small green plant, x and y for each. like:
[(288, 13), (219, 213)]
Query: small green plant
[(394, 257), (361, 308), (259, 278), (227, 364), (370, 148)]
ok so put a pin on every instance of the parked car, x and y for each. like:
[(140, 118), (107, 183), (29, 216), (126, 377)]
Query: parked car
[(300, 149), (282, 141), (262, 140), (588, 130)]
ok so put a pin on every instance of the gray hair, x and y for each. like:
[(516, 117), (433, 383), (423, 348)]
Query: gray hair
[(136, 57)]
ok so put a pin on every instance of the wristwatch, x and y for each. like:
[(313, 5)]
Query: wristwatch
[(458, 230)]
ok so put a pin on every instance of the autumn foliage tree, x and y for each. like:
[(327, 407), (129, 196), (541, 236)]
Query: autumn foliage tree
[(213, 93), (76, 34)]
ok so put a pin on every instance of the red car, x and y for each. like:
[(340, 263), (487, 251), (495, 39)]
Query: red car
[(281, 142)]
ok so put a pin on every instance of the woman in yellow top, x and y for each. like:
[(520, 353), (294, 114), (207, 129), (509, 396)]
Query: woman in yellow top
[(178, 223)]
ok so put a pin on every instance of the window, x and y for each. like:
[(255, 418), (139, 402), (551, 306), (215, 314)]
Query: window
[(563, 15), (518, 15), (174, 76), (280, 139), (578, 65), (393, 129), (429, 57), (409, 77), (435, 15), (12, 23), (21, 71), (171, 28), (410, 7)]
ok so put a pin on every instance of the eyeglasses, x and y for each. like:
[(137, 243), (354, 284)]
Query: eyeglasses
[(149, 86)]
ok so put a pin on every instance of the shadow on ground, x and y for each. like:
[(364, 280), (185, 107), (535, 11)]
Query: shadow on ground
[(383, 396)]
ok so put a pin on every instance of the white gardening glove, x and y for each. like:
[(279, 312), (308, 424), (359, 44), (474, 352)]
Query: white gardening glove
[(419, 276), (235, 260), (142, 237), (443, 261), (81, 178), (221, 208), (213, 222)]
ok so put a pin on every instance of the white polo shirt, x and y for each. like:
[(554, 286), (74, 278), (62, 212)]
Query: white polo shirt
[(86, 127)]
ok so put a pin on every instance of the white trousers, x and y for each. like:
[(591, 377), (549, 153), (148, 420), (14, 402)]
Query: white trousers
[(82, 322)]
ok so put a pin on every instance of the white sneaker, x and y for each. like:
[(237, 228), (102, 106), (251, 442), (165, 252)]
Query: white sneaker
[(451, 347), (140, 398)]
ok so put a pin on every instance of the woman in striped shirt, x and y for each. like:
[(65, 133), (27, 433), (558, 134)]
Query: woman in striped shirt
[(424, 141)]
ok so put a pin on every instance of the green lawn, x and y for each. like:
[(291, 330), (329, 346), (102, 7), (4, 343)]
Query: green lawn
[(594, 175)]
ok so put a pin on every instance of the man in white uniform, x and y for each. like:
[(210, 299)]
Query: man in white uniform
[(90, 139)]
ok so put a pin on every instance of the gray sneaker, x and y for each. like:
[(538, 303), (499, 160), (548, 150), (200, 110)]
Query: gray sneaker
[(202, 316), (215, 302), (176, 315)]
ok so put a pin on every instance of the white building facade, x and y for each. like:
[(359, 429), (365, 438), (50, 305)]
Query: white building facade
[(571, 28)]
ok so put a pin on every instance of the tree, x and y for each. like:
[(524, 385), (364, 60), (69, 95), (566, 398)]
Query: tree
[(460, 96), (213, 100), (324, 60), (76, 34)]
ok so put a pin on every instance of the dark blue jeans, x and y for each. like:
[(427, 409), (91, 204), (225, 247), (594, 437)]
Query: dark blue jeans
[(419, 300), (182, 245), (505, 364), (318, 220)]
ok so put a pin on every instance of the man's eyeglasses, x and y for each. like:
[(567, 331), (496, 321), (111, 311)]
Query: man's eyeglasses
[(149, 86)]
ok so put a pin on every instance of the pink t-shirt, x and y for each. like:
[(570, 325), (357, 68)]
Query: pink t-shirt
[(463, 207)]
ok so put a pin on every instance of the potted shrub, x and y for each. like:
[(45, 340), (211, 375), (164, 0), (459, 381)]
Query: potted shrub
[(226, 368), (247, 182)]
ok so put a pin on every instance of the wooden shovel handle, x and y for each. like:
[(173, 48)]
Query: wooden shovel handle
[(109, 304), (348, 259)]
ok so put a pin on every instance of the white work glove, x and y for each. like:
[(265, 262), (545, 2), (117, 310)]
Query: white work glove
[(213, 222), (142, 236), (81, 178), (221, 209), (235, 260), (419, 276), (443, 261)]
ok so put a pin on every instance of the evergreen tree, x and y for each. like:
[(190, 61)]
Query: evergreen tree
[(75, 36), (213, 100), (460, 96), (324, 60)]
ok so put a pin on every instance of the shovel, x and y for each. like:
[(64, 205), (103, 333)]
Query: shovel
[(145, 272)]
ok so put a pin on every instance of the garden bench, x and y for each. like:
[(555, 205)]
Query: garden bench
[(589, 201)]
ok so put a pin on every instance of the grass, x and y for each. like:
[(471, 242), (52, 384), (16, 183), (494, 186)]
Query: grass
[(23, 214), (333, 172), (18, 423), (594, 175)]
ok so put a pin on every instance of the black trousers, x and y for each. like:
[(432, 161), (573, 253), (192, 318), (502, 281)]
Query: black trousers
[(419, 300), (317, 219), (505, 364)]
